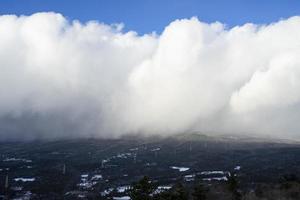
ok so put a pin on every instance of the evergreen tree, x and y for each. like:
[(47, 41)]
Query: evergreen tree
[(199, 192), (233, 186), (179, 192), (142, 190)]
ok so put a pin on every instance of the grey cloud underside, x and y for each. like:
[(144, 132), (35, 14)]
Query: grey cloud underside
[(62, 79)]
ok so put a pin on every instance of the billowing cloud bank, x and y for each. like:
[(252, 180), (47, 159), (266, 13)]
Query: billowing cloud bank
[(67, 79)]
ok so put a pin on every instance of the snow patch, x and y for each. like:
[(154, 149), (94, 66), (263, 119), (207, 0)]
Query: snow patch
[(212, 172), (223, 178), (122, 198), (25, 179), (181, 169), (16, 160)]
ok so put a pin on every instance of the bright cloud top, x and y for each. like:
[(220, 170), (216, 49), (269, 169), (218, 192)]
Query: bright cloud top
[(67, 79)]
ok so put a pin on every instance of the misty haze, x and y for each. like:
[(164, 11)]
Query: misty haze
[(190, 101)]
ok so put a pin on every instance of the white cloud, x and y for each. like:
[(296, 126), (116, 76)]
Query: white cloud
[(67, 79)]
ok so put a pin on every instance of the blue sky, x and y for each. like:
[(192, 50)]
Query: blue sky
[(146, 16)]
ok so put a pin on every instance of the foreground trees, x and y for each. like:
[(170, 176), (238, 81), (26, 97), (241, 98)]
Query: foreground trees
[(288, 188), (146, 190), (233, 186), (200, 192), (142, 190), (177, 192)]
